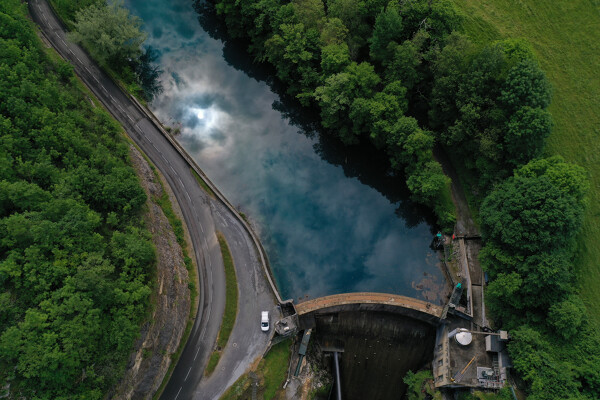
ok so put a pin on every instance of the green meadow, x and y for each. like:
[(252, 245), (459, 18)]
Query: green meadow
[(565, 35)]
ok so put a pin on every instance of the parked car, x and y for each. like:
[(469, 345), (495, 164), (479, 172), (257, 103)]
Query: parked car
[(264, 321)]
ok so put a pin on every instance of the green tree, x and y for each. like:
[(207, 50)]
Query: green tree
[(334, 32), (548, 376), (528, 224), (351, 13), (334, 58), (388, 30), (526, 215), (404, 61), (294, 52), (526, 134), (374, 116), (311, 13), (338, 93), (110, 32), (439, 18), (567, 316), (489, 105), (525, 86), (570, 179), (426, 182)]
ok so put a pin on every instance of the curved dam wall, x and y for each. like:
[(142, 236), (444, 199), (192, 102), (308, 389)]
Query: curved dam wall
[(380, 341)]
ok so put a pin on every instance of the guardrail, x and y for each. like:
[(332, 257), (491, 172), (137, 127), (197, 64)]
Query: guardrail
[(259, 248), (155, 121)]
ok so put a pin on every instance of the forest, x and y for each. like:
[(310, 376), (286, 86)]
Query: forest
[(75, 257), (402, 76)]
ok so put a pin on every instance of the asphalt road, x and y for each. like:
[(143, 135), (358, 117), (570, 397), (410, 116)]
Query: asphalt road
[(202, 215)]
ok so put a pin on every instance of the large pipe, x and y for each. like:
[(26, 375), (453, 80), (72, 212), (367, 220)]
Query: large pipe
[(299, 364), (338, 384)]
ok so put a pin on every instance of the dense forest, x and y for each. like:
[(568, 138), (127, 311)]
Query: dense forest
[(529, 226), (401, 75), (397, 73), (75, 258)]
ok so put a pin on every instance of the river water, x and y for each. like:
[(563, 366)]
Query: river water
[(331, 219)]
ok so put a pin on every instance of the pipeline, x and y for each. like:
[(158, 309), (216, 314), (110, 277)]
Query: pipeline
[(338, 384)]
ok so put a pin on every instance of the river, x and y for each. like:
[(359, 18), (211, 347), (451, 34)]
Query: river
[(331, 219)]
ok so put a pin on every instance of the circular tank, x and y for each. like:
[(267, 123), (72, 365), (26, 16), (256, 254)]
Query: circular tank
[(464, 338)]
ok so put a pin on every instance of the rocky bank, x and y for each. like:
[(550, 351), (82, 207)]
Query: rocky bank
[(170, 301)]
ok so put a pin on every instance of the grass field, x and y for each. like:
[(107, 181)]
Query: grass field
[(231, 303), (565, 35), (271, 373)]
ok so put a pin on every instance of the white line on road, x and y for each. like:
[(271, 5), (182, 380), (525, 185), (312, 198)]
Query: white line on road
[(71, 51), (196, 353), (81, 62), (103, 88), (177, 394), (186, 375), (131, 119), (63, 42), (112, 98)]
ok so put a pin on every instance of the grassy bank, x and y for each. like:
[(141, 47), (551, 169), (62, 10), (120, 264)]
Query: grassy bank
[(203, 184), (565, 35), (271, 372), (231, 301)]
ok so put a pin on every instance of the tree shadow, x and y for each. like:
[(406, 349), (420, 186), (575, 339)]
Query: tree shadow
[(362, 161)]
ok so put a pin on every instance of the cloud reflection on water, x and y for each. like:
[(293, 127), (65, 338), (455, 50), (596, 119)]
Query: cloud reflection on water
[(324, 232)]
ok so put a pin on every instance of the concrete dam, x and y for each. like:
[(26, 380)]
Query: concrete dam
[(379, 338)]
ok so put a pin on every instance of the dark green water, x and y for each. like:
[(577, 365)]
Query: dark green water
[(331, 219)]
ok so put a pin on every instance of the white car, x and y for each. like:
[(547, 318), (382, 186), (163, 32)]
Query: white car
[(264, 321)]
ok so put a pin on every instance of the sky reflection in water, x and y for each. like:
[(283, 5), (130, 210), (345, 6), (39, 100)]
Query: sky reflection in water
[(324, 232)]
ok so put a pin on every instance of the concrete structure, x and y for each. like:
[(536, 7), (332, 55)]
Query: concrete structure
[(377, 337), (480, 364), (484, 361), (398, 332), (377, 302)]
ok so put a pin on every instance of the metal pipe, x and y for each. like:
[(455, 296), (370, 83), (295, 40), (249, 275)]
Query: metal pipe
[(299, 365), (338, 385)]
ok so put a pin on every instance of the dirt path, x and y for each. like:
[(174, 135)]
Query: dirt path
[(465, 226)]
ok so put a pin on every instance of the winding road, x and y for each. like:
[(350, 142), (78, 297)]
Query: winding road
[(203, 216)]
